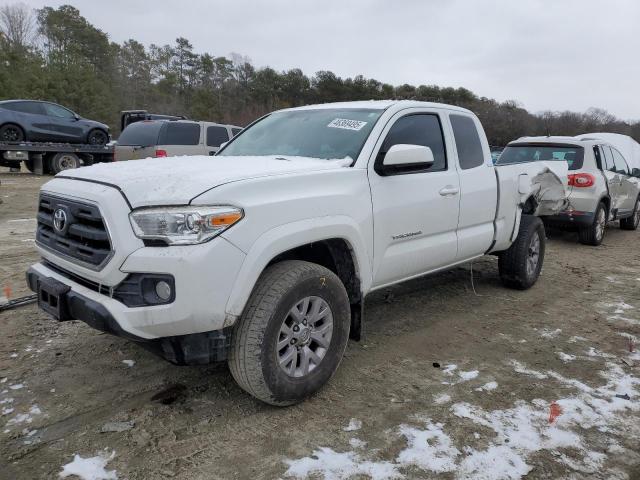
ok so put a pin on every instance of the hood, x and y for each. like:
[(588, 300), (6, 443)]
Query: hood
[(178, 180)]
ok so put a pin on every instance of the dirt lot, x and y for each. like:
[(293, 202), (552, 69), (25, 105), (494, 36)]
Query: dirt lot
[(447, 384)]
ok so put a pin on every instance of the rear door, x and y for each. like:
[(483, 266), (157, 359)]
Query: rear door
[(182, 138), (415, 211), (216, 136), (32, 117), (614, 179), (478, 189)]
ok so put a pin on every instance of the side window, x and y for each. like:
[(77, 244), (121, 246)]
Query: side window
[(57, 111), (417, 129), (235, 131), (25, 107), (608, 159), (597, 153), (178, 133), (468, 142), (216, 136), (620, 163)]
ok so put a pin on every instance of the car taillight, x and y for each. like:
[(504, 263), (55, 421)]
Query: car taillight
[(581, 180), (161, 153)]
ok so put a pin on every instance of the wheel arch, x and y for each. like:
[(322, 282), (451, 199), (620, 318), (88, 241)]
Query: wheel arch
[(94, 129), (337, 247)]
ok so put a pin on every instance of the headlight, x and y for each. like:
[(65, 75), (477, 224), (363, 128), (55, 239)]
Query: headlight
[(183, 225)]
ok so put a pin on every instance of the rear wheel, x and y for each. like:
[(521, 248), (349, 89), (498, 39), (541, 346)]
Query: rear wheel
[(97, 137), (292, 334), (594, 233), (11, 133), (520, 265), (632, 222), (64, 161)]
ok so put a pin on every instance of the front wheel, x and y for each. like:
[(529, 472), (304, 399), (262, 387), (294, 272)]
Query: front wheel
[(632, 222), (292, 334), (97, 137), (520, 265), (594, 233)]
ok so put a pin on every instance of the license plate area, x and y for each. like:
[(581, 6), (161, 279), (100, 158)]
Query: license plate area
[(52, 298)]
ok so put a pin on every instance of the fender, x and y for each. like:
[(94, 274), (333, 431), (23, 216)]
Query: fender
[(291, 235)]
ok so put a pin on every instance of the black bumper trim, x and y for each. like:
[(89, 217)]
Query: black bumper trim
[(579, 219), (193, 349)]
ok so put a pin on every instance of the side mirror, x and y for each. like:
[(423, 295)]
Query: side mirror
[(635, 172), (401, 155), (76, 116)]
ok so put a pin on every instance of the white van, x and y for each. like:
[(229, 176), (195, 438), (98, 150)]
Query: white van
[(168, 138)]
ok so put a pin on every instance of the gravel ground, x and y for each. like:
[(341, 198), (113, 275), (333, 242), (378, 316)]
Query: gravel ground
[(448, 383)]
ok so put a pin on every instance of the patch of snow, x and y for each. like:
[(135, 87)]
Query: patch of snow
[(129, 363), (357, 443), (465, 376), (6, 400), (7, 411), (594, 352), (520, 368), (547, 333), (92, 468), (354, 424), (497, 462), (441, 398), (430, 449), (577, 338), (4, 380), (331, 465), (449, 369), (14, 355), (25, 417), (487, 387), (16, 386), (565, 357)]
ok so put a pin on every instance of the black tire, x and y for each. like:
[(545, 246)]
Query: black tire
[(632, 222), (254, 355), (594, 233), (64, 161), (97, 137), (520, 266), (11, 133)]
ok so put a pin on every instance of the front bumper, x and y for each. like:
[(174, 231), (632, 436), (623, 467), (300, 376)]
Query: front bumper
[(573, 219), (193, 349)]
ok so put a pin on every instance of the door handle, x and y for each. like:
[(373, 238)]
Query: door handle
[(449, 190)]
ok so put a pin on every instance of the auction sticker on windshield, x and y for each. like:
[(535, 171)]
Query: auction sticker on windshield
[(347, 124)]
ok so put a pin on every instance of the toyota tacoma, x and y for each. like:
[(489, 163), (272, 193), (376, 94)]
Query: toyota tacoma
[(263, 255)]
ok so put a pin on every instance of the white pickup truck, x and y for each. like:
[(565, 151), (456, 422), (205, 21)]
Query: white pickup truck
[(263, 255)]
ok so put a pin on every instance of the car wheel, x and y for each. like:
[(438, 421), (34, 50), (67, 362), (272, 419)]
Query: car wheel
[(594, 233), (64, 161), (97, 137), (632, 222), (520, 265), (11, 133), (292, 334)]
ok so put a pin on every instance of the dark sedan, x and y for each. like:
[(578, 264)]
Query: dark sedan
[(36, 121)]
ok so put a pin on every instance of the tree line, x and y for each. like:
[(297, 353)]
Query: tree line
[(57, 55)]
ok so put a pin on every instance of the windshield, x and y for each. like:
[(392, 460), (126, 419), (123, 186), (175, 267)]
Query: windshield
[(321, 133), (527, 152)]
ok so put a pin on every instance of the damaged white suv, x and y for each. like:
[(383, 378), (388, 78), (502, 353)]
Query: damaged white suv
[(263, 255)]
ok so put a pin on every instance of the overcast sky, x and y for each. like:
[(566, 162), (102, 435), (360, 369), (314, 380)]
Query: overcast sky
[(546, 54)]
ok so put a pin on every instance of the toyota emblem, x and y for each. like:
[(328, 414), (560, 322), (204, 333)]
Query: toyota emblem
[(59, 219)]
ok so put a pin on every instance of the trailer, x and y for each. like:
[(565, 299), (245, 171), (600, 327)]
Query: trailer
[(51, 158)]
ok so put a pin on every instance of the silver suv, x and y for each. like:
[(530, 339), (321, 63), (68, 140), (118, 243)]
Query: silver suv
[(169, 138), (601, 186)]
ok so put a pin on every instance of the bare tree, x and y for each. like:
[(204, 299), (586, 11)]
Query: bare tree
[(17, 26)]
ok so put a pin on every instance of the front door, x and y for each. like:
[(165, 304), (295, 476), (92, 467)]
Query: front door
[(614, 180), (415, 211)]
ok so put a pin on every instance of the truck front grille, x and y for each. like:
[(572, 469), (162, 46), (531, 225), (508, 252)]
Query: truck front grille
[(73, 229)]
